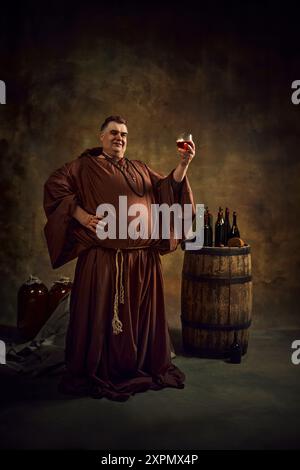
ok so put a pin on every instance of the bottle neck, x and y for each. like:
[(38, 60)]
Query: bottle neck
[(208, 219), (205, 218)]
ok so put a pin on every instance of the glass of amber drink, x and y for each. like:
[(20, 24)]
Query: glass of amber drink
[(183, 139)]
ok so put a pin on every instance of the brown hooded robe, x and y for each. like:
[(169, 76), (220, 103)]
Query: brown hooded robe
[(118, 340)]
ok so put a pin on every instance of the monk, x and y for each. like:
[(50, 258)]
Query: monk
[(118, 341)]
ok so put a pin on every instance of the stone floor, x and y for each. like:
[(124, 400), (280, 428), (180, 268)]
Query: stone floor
[(254, 405)]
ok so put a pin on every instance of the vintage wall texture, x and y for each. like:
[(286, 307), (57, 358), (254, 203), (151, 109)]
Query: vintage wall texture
[(220, 76)]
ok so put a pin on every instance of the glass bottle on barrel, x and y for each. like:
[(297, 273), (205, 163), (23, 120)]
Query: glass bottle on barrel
[(219, 229), (234, 231), (208, 232), (226, 227)]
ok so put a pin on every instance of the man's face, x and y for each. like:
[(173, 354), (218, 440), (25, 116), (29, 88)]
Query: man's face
[(114, 139)]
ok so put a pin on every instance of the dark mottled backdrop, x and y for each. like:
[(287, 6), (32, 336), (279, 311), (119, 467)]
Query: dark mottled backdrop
[(222, 71)]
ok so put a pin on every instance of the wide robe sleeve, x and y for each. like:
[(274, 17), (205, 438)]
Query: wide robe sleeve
[(60, 201), (167, 190)]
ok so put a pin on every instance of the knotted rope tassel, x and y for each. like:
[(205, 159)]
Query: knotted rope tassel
[(116, 322)]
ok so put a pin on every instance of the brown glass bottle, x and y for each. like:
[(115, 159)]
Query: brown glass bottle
[(226, 227), (235, 350), (219, 229), (208, 232), (234, 231)]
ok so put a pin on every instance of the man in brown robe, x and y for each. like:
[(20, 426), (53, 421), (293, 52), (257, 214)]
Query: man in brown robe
[(118, 340)]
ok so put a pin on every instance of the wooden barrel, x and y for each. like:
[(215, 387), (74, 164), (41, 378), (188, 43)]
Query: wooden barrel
[(216, 300)]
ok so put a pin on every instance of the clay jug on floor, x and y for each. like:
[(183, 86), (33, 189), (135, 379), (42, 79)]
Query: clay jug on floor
[(32, 307), (57, 292)]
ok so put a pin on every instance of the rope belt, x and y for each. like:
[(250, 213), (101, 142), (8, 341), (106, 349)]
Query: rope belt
[(117, 325), (119, 295)]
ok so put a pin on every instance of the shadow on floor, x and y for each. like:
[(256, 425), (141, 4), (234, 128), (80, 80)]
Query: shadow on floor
[(19, 387)]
